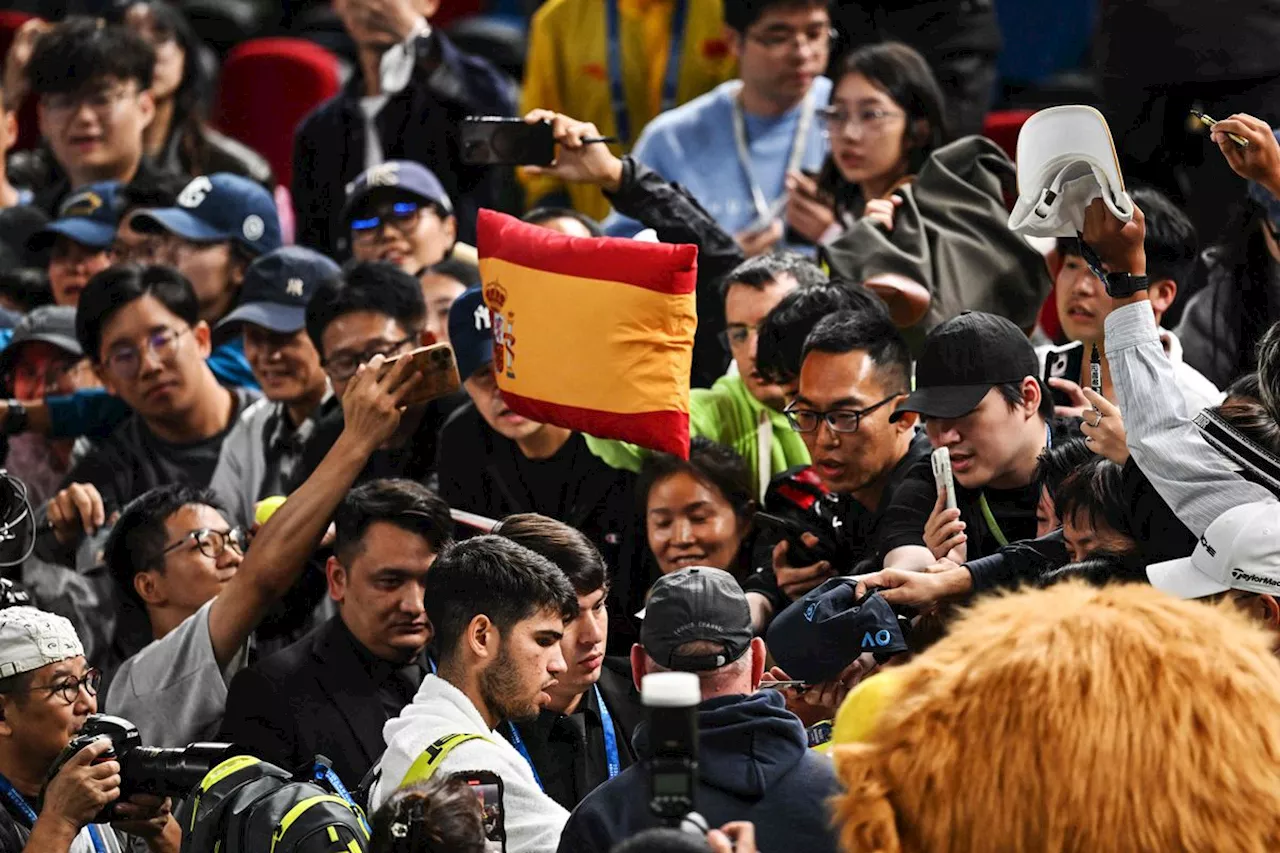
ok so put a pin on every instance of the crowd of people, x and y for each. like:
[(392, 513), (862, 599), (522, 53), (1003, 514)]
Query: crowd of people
[(251, 520)]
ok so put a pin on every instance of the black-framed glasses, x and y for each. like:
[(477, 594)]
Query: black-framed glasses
[(402, 216), (212, 543), (69, 687), (872, 119), (125, 361), (775, 39), (343, 365), (837, 420)]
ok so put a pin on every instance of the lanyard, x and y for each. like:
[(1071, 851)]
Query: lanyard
[(989, 517), (798, 144), (28, 814), (610, 742), (618, 92)]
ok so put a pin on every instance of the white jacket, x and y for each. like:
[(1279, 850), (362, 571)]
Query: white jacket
[(533, 820)]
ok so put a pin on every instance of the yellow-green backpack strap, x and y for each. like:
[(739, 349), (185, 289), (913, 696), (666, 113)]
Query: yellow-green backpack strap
[(426, 763)]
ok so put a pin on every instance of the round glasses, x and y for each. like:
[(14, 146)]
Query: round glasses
[(69, 687), (212, 543)]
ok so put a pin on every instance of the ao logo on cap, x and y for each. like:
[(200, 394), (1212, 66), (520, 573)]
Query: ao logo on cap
[(882, 638), (194, 193)]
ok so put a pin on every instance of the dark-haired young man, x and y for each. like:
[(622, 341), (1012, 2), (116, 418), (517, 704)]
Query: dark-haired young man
[(173, 550), (331, 692), (855, 369), (979, 394), (499, 612), (739, 147), (141, 329), (375, 308), (582, 739), (94, 102), (1083, 303)]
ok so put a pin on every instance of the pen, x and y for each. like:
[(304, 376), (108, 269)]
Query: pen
[(1095, 371), (607, 140), (1210, 122)]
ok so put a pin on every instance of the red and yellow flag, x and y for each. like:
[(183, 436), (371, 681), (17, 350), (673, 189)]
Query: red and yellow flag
[(592, 334)]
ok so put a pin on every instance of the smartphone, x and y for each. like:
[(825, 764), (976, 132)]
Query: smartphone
[(783, 685), (437, 364), (942, 475), (766, 221), (503, 141), (488, 789), (1064, 362), (798, 553)]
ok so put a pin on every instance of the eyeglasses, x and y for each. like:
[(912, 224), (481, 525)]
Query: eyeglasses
[(870, 120), (343, 365), (62, 105), (837, 420), (403, 216), (69, 687), (50, 376), (212, 543), (125, 362), (151, 250), (736, 336), (776, 39)]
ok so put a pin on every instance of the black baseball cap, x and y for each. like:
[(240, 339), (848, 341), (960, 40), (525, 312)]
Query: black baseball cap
[(963, 359), (696, 604), (52, 324), (820, 634), (278, 286)]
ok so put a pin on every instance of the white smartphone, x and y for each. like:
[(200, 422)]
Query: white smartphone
[(942, 475)]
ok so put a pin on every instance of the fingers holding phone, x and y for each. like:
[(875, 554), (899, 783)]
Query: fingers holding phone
[(577, 153)]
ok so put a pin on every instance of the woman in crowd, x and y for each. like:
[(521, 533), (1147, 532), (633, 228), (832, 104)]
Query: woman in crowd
[(179, 139), (698, 513), (886, 117)]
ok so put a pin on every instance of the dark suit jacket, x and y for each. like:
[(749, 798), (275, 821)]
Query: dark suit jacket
[(314, 697)]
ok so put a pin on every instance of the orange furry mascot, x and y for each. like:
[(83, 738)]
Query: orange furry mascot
[(1075, 719)]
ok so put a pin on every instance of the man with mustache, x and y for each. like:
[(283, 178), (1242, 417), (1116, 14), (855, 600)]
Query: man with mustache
[(499, 613), (331, 692)]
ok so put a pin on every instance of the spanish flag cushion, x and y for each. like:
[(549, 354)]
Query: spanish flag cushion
[(592, 334)]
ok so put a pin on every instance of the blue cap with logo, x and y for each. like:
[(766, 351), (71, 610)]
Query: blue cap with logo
[(88, 216), (278, 286), (396, 177), (217, 208), (470, 332)]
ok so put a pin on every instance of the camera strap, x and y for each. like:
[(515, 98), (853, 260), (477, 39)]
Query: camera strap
[(28, 814), (322, 772), (611, 755), (670, 83)]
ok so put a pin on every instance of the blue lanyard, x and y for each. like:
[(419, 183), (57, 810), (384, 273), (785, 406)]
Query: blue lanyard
[(618, 92), (28, 814), (610, 742)]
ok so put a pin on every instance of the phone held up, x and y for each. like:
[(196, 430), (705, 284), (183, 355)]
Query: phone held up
[(505, 141), (1064, 362), (437, 364), (942, 476)]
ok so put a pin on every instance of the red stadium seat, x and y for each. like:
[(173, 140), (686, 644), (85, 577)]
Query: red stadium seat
[(453, 10), (28, 130), (266, 88), (1003, 128)]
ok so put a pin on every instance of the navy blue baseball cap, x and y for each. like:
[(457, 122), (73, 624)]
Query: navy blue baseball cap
[(218, 208), (824, 631), (470, 332), (278, 286), (396, 178), (88, 216)]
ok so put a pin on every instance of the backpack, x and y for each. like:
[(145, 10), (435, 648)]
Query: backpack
[(245, 805)]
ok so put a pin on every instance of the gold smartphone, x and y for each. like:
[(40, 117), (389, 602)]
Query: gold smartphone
[(1210, 122), (437, 364)]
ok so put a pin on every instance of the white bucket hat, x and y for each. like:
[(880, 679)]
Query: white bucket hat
[(1066, 159)]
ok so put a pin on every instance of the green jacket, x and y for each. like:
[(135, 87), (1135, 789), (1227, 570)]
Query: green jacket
[(727, 414)]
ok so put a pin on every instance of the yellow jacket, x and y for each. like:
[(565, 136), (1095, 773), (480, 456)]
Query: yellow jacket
[(568, 70)]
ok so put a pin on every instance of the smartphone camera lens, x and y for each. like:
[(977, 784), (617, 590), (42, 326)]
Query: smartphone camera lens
[(475, 151)]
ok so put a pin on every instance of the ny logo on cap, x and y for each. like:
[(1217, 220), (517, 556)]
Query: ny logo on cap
[(386, 175), (294, 287), (194, 193), (481, 316), (83, 204)]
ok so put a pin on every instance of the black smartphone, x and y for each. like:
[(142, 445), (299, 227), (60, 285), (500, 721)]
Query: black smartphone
[(488, 789), (1064, 362), (504, 141), (798, 553)]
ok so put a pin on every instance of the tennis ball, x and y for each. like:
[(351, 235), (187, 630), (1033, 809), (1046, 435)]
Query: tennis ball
[(267, 508)]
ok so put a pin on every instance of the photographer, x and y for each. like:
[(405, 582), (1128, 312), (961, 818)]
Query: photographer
[(753, 760), (47, 690)]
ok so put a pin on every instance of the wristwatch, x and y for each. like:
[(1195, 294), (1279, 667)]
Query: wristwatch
[(1122, 284), (16, 419)]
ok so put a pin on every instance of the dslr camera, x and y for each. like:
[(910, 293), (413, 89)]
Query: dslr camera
[(143, 769)]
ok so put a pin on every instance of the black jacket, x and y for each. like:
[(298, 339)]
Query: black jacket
[(754, 763), (480, 471), (419, 123), (315, 697)]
